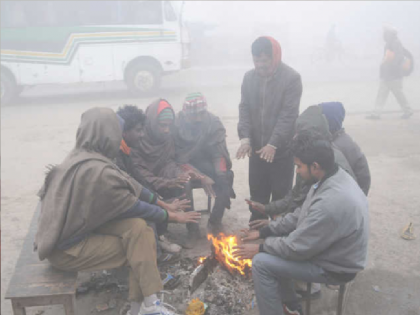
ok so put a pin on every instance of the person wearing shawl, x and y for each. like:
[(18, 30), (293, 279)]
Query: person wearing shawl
[(200, 140), (155, 159), (132, 120), (335, 113), (93, 215), (270, 99)]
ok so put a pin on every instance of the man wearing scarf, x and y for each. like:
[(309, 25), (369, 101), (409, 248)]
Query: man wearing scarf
[(155, 159), (268, 110), (93, 215), (200, 140)]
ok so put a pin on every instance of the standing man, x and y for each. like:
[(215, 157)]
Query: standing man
[(268, 110), (396, 64)]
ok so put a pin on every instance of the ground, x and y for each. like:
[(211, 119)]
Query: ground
[(40, 129)]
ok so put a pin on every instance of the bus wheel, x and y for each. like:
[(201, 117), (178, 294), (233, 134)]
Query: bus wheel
[(143, 79), (9, 89)]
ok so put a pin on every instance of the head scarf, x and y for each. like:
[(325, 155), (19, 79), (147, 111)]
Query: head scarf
[(154, 152), (194, 103), (335, 113), (166, 114), (276, 53), (87, 189)]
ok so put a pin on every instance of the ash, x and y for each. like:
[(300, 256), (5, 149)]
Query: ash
[(221, 291)]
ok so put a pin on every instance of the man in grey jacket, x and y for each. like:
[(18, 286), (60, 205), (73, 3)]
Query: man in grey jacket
[(267, 113), (324, 241)]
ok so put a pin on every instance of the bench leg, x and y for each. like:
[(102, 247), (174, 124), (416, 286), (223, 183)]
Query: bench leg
[(341, 299), (69, 305), (308, 298), (18, 309)]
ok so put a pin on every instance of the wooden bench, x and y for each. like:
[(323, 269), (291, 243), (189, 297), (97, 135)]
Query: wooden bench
[(37, 283)]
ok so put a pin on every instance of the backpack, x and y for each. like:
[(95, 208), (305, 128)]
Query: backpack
[(407, 66)]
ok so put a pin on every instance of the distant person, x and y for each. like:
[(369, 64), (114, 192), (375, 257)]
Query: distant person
[(268, 110), (200, 140), (396, 64), (324, 241), (333, 46), (93, 215), (154, 157)]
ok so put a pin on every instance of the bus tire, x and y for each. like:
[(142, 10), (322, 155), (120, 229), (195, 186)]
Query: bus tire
[(9, 89), (143, 79)]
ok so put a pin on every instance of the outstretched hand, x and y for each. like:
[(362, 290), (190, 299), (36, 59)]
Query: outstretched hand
[(256, 206), (246, 251), (184, 217), (250, 235), (258, 224), (243, 151)]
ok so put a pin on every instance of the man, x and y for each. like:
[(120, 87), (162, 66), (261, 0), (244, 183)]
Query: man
[(154, 157), (396, 63), (93, 215), (132, 120), (324, 241), (268, 110), (200, 140), (311, 121), (335, 113)]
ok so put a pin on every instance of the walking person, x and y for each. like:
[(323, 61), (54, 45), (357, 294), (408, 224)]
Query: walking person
[(397, 63)]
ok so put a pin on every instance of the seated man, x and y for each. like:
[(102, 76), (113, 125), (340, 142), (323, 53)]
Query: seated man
[(335, 113), (132, 120), (313, 122), (200, 140), (324, 241), (93, 215), (154, 158)]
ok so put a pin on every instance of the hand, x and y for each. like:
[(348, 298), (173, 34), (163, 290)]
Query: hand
[(250, 235), (195, 175), (179, 182), (244, 150), (258, 224), (267, 153), (246, 251), (176, 205), (256, 206), (184, 217), (207, 184)]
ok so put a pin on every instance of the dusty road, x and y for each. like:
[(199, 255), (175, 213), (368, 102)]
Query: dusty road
[(40, 129)]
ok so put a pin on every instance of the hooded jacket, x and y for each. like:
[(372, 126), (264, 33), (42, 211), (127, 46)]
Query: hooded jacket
[(87, 189)]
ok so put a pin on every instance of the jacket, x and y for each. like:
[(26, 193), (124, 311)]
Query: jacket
[(331, 229), (269, 108), (355, 157)]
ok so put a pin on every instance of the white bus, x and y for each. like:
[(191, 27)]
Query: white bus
[(47, 42)]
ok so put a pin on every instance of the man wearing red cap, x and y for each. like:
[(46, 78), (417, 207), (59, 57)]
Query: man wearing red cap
[(269, 107)]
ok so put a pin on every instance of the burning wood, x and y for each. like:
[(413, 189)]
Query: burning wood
[(223, 248)]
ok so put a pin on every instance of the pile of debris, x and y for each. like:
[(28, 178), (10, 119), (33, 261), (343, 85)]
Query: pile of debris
[(222, 292)]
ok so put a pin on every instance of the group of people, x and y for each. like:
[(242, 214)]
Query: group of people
[(131, 172)]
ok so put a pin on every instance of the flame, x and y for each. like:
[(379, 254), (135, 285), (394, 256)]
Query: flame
[(202, 259), (223, 246)]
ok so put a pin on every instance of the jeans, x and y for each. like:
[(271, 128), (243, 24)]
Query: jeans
[(273, 280)]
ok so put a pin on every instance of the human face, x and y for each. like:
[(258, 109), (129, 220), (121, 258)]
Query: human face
[(197, 117), (263, 64), (133, 135), (305, 171), (164, 127)]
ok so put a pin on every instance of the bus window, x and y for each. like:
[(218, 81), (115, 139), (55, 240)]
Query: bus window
[(170, 15), (141, 12)]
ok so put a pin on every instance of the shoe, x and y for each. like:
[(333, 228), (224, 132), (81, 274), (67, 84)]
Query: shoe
[(156, 309), (165, 259), (407, 115), (168, 246), (373, 117), (288, 310)]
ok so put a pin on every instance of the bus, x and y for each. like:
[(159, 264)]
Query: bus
[(64, 42)]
